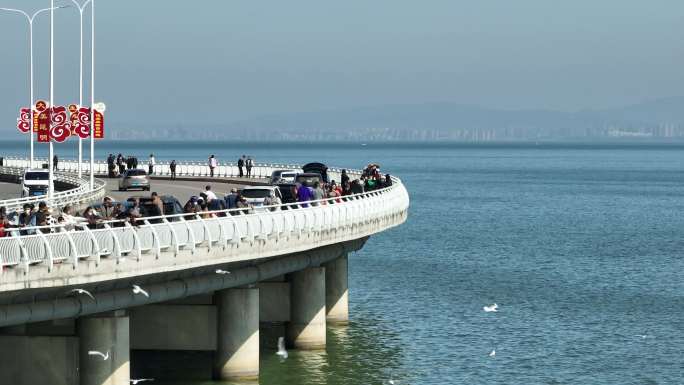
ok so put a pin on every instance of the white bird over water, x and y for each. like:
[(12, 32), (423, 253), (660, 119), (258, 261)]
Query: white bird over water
[(219, 271), (493, 353), (81, 291), (138, 290), (281, 348), (491, 308), (105, 357), (135, 382)]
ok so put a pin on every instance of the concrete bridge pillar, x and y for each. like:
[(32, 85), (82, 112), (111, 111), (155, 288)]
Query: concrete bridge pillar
[(109, 335), (336, 291), (306, 329), (237, 348)]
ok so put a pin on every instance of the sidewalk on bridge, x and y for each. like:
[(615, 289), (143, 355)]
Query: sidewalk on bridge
[(227, 180)]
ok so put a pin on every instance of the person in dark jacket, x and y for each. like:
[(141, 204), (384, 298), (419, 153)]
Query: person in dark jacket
[(120, 162), (241, 164), (172, 167)]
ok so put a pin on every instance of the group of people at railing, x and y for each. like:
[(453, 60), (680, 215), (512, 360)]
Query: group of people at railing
[(205, 205), (117, 165)]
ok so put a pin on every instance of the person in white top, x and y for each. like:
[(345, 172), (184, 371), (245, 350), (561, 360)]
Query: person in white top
[(210, 194), (150, 164), (213, 163)]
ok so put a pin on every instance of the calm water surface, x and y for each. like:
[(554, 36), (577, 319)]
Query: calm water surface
[(581, 247)]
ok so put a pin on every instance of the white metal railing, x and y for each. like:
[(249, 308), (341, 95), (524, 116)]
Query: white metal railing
[(148, 237), (79, 194), (187, 168)]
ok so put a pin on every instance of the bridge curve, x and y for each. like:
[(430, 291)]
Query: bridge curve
[(282, 267)]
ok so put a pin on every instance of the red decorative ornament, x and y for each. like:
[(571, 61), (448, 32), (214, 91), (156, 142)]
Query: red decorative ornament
[(24, 120), (82, 126), (60, 129)]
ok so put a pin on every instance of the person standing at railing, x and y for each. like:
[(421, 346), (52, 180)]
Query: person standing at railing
[(107, 208), (172, 168), (241, 164), (90, 217), (231, 199), (54, 163), (150, 164), (157, 204), (304, 194), (272, 200), (212, 163), (249, 163), (110, 166), (120, 162), (210, 196), (27, 219), (318, 193), (4, 222), (43, 216)]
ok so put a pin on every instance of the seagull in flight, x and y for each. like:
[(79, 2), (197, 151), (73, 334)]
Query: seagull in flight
[(281, 348), (105, 357), (219, 271), (81, 291), (135, 382), (491, 308), (493, 353), (138, 290)]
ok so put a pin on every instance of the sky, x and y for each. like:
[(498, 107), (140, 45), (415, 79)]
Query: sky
[(216, 61)]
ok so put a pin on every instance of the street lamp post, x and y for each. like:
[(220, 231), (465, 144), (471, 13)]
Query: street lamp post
[(80, 8), (29, 19), (92, 95)]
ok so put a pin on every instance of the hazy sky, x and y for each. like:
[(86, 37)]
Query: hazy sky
[(225, 60)]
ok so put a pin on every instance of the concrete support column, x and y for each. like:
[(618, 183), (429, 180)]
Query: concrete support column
[(237, 348), (336, 291), (110, 336), (306, 329)]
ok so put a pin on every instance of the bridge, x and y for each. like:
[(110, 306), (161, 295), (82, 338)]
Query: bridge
[(230, 282)]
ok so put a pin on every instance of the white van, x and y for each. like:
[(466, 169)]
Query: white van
[(35, 182)]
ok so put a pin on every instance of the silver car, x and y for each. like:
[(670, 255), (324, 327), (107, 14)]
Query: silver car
[(134, 178)]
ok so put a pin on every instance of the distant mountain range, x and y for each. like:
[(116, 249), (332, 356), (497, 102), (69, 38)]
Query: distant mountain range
[(663, 118)]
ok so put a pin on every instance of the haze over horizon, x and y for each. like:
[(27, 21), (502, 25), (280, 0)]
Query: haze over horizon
[(166, 63)]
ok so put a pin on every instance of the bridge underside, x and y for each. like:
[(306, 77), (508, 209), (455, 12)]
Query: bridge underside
[(225, 319)]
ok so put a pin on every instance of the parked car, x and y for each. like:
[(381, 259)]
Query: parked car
[(255, 195), (317, 168), (134, 178), (35, 182), (171, 206), (308, 178), (283, 176)]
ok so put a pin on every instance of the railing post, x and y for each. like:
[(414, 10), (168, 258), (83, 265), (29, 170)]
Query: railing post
[(136, 240), (174, 236), (191, 235), (155, 239), (206, 231), (72, 245), (48, 249), (96, 244), (117, 245)]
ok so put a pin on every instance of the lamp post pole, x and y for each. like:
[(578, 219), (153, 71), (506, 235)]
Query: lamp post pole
[(92, 95), (51, 187), (29, 19), (80, 8)]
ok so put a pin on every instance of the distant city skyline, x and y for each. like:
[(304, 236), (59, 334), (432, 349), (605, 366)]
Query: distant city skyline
[(216, 62)]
